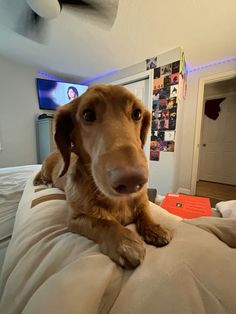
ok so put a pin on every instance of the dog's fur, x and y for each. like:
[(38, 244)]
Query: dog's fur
[(103, 170)]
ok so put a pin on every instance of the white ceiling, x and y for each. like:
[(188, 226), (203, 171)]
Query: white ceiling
[(80, 47)]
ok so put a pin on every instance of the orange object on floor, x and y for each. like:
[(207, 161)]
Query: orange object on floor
[(187, 206)]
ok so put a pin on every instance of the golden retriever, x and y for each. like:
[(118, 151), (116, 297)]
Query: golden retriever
[(101, 165)]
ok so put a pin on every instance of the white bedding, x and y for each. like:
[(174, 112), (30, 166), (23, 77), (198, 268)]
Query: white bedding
[(50, 270), (12, 183), (227, 208)]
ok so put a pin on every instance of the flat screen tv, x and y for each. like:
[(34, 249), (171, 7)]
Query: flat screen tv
[(52, 94)]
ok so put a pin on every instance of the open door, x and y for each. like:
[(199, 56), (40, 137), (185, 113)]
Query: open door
[(214, 140), (218, 145)]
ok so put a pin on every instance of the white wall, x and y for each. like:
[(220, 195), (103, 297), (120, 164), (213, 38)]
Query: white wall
[(186, 146), (18, 107), (18, 111)]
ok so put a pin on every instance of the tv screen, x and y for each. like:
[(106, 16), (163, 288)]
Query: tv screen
[(52, 94)]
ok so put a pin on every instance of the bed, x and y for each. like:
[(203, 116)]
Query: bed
[(12, 183), (50, 270)]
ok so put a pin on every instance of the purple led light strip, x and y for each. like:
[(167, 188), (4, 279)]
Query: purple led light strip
[(208, 65), (189, 70)]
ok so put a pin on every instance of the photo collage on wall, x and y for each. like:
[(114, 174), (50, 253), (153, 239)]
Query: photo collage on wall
[(166, 85)]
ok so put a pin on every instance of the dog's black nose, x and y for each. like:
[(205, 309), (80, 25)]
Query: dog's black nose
[(127, 181)]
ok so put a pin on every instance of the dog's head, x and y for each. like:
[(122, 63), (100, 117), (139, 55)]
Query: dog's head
[(107, 128)]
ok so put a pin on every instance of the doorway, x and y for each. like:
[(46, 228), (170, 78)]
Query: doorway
[(214, 162)]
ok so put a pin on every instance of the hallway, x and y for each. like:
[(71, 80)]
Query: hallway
[(216, 191)]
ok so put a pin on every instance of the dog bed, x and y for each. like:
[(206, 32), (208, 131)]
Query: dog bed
[(50, 270)]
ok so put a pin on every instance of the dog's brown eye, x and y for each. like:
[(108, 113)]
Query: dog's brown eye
[(89, 115), (136, 114)]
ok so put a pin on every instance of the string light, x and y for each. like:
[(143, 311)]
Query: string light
[(49, 76), (211, 64), (113, 71), (94, 78)]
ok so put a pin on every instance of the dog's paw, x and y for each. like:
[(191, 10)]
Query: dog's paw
[(156, 235), (128, 251)]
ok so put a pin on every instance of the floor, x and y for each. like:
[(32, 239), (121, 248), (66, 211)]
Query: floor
[(216, 191)]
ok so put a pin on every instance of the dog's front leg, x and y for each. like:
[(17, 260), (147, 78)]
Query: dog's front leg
[(122, 245), (152, 232)]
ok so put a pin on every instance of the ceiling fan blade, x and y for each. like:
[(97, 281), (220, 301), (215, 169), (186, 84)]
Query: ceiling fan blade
[(104, 11), (75, 2), (32, 26)]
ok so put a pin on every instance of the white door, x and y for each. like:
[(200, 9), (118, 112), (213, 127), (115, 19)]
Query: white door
[(139, 90), (218, 146), (141, 86)]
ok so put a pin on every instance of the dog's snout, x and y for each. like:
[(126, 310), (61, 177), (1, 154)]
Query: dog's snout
[(127, 181)]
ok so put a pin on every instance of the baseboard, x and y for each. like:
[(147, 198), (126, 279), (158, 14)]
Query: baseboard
[(184, 191)]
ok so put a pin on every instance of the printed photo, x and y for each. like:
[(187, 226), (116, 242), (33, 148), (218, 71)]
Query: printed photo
[(155, 106), (154, 151), (158, 83), (155, 95), (155, 113), (155, 101), (166, 146), (174, 90), (172, 120), (166, 69), (162, 146), (160, 135), (157, 72), (151, 63), (153, 135), (157, 136), (171, 103), (155, 124), (163, 120), (174, 79), (175, 66), (167, 80), (162, 104), (164, 92), (169, 135), (170, 146)]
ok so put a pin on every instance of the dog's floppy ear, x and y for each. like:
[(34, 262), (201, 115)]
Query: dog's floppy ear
[(145, 126), (65, 122)]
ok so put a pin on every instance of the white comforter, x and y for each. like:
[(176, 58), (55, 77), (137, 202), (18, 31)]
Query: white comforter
[(12, 183)]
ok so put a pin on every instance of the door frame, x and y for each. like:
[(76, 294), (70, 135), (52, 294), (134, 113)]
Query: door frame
[(199, 120), (145, 75)]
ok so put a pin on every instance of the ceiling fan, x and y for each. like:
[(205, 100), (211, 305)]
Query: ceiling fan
[(38, 13)]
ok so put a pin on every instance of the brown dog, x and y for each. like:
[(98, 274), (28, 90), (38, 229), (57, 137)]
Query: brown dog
[(103, 170)]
